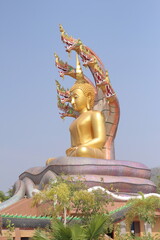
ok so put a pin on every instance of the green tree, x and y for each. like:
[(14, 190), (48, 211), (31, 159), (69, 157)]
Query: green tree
[(157, 182), (10, 229), (3, 197), (10, 192), (143, 208), (68, 199)]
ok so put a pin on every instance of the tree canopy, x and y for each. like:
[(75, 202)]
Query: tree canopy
[(68, 199), (144, 209)]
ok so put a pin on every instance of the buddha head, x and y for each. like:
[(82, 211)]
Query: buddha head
[(82, 96), (82, 93)]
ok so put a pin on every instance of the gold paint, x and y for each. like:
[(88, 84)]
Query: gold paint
[(88, 130), (102, 82), (79, 73), (107, 78), (56, 57), (61, 28), (49, 160)]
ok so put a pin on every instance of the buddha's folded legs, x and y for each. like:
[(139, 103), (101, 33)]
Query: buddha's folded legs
[(83, 151)]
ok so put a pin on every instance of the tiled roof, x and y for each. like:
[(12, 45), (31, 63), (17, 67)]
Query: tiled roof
[(23, 209), (120, 208), (24, 216)]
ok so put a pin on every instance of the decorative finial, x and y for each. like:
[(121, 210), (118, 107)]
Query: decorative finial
[(79, 72)]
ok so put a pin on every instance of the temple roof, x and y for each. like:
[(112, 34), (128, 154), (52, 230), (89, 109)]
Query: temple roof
[(24, 209)]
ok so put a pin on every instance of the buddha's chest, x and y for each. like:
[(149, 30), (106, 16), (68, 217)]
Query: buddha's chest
[(81, 128)]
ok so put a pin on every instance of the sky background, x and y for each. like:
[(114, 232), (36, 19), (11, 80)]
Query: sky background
[(125, 34)]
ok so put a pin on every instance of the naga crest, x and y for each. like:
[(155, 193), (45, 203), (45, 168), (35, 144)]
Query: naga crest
[(106, 100)]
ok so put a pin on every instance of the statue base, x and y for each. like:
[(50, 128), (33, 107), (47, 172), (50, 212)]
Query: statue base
[(126, 177)]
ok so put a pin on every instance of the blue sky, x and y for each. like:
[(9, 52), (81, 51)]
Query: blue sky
[(125, 34)]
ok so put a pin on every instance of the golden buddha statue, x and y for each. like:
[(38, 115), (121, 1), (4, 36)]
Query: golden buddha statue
[(91, 131), (88, 133)]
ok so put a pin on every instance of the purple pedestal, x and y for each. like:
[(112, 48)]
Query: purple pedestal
[(124, 176)]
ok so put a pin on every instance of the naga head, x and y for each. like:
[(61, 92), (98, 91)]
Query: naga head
[(65, 68), (64, 94), (89, 60), (71, 43)]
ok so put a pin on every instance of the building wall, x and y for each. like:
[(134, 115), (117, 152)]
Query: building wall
[(156, 228), (153, 230), (18, 234)]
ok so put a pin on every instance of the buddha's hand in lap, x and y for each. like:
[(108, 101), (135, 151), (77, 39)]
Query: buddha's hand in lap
[(80, 151), (76, 150), (70, 150)]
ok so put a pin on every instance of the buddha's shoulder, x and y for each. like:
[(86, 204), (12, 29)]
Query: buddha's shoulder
[(96, 113)]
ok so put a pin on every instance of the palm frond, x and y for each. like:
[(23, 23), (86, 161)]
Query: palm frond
[(40, 235), (77, 232), (60, 232), (96, 227)]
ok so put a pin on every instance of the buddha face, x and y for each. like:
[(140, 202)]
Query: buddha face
[(79, 100)]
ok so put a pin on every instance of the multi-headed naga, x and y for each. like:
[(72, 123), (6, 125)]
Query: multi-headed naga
[(94, 106)]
